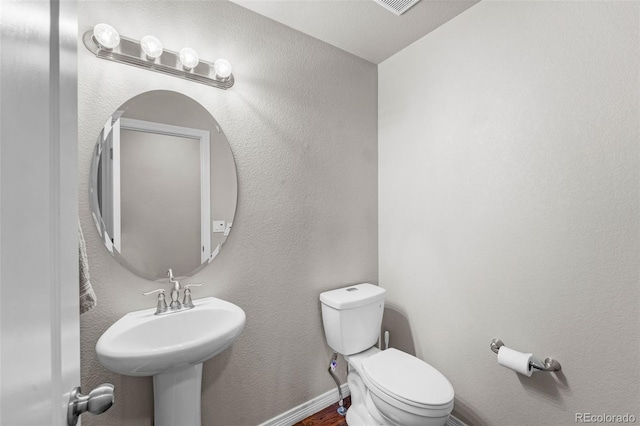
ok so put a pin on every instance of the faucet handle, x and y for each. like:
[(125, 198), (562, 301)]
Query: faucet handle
[(162, 301), (186, 301), (160, 290), (186, 286)]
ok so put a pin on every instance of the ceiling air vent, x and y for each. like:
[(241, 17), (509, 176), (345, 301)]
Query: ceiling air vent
[(397, 6)]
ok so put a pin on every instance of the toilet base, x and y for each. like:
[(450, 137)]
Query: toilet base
[(358, 414), (364, 411)]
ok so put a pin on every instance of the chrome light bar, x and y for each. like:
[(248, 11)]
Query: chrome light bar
[(129, 52)]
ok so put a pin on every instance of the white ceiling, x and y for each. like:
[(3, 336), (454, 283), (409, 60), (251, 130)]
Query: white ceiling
[(361, 27)]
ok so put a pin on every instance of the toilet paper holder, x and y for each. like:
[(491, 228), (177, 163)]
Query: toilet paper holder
[(549, 364)]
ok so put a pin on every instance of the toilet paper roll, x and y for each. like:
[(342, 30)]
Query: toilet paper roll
[(516, 361)]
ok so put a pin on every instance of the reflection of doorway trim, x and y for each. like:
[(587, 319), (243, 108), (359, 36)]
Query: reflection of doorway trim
[(108, 172), (205, 192), (113, 180)]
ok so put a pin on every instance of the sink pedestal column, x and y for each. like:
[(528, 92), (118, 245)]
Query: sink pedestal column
[(176, 397)]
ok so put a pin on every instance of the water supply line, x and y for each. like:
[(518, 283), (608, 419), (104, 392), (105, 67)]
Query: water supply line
[(332, 367)]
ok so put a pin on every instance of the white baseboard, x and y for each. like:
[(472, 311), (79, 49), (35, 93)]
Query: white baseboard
[(319, 403), (453, 421), (308, 408)]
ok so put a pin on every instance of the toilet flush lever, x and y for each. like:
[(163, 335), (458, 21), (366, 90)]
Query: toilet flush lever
[(98, 401)]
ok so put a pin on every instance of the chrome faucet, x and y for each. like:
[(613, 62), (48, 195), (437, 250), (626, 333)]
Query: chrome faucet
[(187, 303), (162, 307), (175, 305), (175, 292)]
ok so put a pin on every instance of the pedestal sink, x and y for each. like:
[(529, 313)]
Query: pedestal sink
[(171, 348)]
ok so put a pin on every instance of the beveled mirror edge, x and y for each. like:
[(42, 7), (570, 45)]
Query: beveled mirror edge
[(94, 203)]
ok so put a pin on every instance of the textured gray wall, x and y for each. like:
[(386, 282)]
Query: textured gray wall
[(510, 208), (301, 121)]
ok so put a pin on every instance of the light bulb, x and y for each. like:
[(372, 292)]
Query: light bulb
[(106, 36), (222, 68), (151, 46), (189, 58)]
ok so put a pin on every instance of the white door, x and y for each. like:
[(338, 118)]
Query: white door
[(39, 319)]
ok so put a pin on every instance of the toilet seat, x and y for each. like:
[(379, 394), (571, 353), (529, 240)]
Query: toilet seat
[(407, 382)]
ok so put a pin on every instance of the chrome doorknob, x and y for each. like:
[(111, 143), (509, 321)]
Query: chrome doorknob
[(98, 401)]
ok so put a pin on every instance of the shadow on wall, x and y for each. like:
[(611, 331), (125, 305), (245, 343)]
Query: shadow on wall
[(463, 412), (547, 385), (395, 321)]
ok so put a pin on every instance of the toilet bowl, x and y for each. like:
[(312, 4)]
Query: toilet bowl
[(387, 387)]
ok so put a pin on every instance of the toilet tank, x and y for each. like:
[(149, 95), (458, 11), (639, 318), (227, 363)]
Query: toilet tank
[(352, 317)]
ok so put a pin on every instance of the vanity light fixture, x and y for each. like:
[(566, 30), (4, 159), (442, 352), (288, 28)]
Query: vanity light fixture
[(148, 53), (189, 58), (106, 36), (151, 46), (222, 69)]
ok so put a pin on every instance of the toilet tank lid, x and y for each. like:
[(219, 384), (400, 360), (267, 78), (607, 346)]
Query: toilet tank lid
[(352, 296)]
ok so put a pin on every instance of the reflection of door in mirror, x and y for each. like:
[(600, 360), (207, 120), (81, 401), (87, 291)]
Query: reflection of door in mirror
[(164, 175), (162, 172), (108, 178)]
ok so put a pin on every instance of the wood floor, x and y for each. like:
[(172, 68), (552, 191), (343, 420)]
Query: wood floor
[(327, 417)]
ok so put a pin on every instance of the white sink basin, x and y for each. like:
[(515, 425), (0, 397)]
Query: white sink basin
[(143, 344)]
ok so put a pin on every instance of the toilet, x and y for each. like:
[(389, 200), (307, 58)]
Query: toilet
[(388, 387)]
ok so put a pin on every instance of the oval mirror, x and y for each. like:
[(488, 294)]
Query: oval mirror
[(163, 187)]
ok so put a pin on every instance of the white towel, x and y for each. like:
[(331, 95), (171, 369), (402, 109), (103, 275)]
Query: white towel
[(88, 297)]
